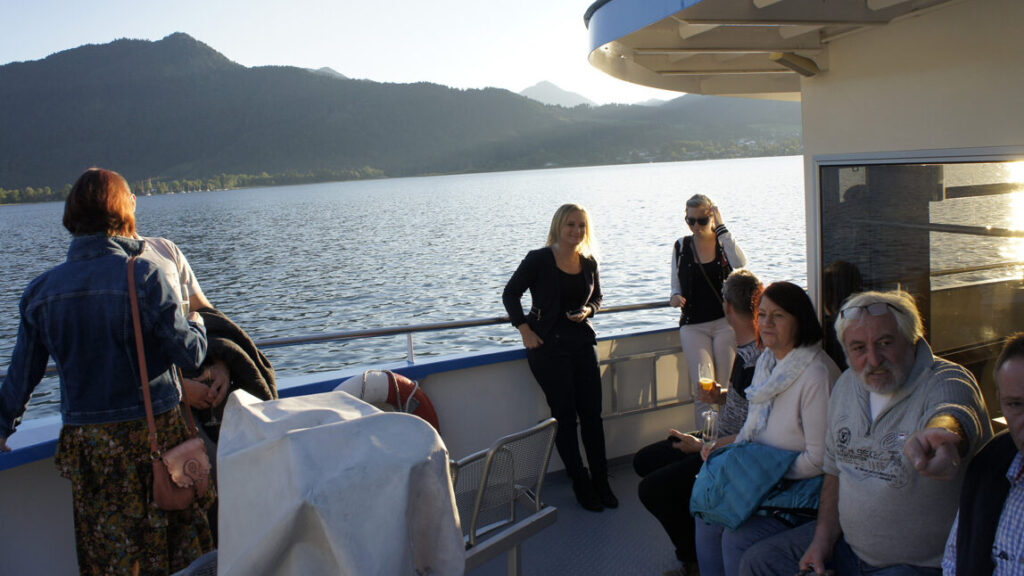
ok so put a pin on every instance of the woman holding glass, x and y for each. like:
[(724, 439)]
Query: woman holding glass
[(787, 409), (669, 468), (561, 346), (700, 264), (78, 313)]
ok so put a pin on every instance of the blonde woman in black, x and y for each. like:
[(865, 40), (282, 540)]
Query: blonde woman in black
[(561, 346)]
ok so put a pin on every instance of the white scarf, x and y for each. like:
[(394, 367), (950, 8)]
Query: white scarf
[(771, 378)]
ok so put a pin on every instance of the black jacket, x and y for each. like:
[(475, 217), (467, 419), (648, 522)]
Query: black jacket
[(249, 368), (538, 273), (981, 503)]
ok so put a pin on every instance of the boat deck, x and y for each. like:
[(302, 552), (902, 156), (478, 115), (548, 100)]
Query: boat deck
[(627, 540)]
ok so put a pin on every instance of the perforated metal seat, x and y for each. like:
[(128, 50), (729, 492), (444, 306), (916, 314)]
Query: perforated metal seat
[(493, 486)]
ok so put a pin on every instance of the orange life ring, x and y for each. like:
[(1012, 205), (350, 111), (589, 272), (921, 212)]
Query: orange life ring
[(386, 387)]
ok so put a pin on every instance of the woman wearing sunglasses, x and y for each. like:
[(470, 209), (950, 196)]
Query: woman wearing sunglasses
[(700, 264)]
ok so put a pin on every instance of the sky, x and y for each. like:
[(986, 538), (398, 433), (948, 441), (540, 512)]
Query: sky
[(510, 44)]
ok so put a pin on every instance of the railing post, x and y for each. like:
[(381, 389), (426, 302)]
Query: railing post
[(410, 356), (515, 562), (614, 389)]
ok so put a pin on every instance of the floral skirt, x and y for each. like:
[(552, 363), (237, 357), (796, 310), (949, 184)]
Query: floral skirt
[(118, 530)]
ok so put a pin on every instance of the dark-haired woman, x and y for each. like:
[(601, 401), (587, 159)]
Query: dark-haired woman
[(700, 264), (78, 313), (561, 345), (787, 409)]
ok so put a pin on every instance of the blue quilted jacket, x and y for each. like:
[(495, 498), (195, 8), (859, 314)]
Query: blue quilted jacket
[(741, 479)]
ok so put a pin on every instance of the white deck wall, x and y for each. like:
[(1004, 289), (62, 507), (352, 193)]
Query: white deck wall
[(950, 78), (475, 406)]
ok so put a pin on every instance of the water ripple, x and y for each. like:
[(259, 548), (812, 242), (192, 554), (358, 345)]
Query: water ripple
[(322, 258)]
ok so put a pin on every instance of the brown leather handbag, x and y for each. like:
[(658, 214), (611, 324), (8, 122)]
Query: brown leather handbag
[(180, 474)]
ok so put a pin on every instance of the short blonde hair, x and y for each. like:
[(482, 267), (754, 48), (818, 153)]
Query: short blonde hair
[(588, 246), (908, 319)]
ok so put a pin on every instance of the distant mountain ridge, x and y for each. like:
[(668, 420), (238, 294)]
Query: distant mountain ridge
[(547, 93), (327, 71), (178, 109)]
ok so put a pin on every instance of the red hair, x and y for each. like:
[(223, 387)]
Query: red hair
[(100, 203)]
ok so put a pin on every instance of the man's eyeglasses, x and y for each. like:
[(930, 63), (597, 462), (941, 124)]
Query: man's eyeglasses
[(874, 309), (702, 221)]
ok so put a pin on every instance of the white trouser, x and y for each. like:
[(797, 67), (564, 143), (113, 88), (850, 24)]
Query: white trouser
[(712, 342)]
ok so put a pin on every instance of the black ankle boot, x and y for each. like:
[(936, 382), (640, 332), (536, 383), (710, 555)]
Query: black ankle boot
[(604, 491), (585, 494)]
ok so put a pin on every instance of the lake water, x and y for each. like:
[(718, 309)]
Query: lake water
[(303, 260)]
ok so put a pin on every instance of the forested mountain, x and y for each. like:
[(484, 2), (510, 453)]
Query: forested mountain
[(176, 109)]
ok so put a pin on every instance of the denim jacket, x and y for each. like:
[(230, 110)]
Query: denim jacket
[(79, 313)]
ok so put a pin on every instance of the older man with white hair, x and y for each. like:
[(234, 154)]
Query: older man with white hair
[(901, 425)]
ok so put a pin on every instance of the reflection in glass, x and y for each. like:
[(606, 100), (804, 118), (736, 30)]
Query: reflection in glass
[(951, 234)]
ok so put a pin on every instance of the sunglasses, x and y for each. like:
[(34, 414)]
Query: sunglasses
[(874, 309), (702, 221)]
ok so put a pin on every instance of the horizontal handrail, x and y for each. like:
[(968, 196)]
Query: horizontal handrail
[(947, 228), (431, 327), (979, 268), (268, 343)]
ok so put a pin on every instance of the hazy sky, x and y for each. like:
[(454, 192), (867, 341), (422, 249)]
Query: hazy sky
[(509, 44)]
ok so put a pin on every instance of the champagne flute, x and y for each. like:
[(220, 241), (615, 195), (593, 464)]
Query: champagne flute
[(213, 421), (706, 376), (710, 431)]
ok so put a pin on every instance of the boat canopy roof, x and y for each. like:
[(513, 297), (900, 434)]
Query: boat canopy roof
[(753, 48)]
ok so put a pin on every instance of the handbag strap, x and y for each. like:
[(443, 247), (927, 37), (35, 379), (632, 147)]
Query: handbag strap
[(154, 445), (696, 260)]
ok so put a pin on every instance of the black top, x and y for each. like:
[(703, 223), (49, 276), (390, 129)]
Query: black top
[(981, 503), (539, 274), (707, 306), (702, 305), (574, 290)]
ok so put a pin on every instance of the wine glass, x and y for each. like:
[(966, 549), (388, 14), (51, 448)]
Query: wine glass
[(709, 434), (706, 376), (213, 421)]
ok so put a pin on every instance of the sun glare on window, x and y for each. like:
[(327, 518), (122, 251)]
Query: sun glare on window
[(1015, 246), (1015, 173)]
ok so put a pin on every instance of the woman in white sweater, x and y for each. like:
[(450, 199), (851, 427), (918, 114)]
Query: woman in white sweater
[(788, 402), (700, 264)]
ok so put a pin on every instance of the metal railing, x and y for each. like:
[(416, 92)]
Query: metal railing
[(651, 404), (431, 327), (978, 268), (408, 331)]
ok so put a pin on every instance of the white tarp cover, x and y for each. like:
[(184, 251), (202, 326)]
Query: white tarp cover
[(327, 484)]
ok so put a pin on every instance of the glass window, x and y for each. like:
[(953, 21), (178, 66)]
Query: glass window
[(951, 234)]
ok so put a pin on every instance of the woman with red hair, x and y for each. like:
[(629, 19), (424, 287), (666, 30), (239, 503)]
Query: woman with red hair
[(78, 313)]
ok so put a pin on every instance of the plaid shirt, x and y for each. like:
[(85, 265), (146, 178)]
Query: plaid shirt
[(1008, 548)]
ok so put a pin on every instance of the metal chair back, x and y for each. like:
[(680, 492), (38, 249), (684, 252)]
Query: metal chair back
[(490, 483)]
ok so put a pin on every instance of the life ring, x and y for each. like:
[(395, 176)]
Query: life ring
[(386, 387)]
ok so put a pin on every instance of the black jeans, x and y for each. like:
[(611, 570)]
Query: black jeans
[(668, 477), (566, 367)]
